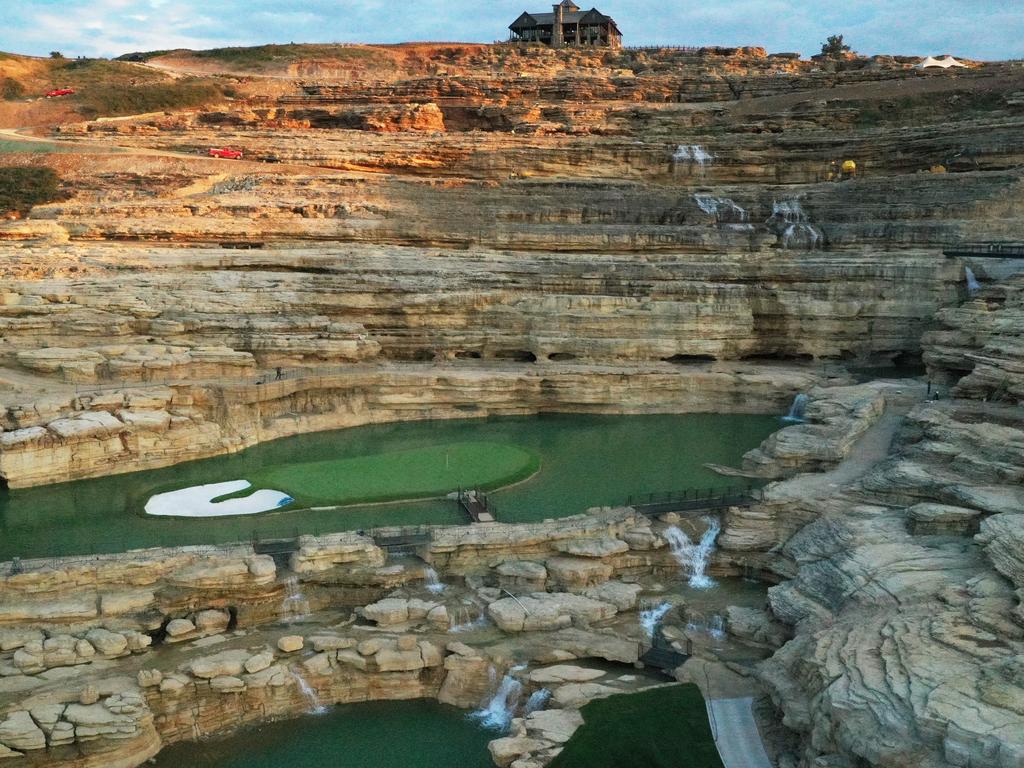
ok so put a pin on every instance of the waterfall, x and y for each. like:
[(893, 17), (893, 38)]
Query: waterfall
[(315, 707), (973, 286), (692, 153), (651, 616), (295, 604), (467, 617), (433, 581), (499, 711), (693, 558), (797, 409), (537, 701), (716, 627), (723, 209), (790, 221)]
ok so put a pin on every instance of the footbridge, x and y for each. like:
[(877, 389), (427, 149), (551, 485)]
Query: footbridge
[(988, 250), (694, 502)]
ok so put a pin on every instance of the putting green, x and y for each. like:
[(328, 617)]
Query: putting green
[(418, 473), (659, 728)]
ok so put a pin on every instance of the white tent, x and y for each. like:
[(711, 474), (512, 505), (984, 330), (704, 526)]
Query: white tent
[(945, 62)]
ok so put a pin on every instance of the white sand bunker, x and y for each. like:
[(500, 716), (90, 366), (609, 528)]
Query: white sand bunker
[(197, 501)]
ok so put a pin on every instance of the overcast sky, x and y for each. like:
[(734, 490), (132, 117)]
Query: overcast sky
[(985, 29)]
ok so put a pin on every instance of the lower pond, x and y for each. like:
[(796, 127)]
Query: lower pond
[(559, 465), (382, 734)]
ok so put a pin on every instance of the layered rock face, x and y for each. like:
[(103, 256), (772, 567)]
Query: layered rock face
[(979, 345), (186, 643), (522, 208), (908, 626)]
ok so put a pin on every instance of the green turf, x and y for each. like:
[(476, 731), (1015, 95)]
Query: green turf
[(659, 728), (418, 473)]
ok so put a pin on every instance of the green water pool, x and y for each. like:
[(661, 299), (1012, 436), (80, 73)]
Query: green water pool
[(383, 734), (585, 461)]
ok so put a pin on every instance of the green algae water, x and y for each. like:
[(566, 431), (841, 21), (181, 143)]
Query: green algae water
[(383, 734), (585, 461)]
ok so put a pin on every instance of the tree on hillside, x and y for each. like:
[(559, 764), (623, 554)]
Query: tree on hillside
[(56, 55), (834, 47)]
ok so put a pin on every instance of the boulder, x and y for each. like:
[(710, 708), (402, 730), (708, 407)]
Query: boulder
[(505, 751), (578, 572), (604, 546), (290, 643), (622, 596), (223, 664), (150, 678), (258, 663), (388, 612), (20, 732), (564, 673)]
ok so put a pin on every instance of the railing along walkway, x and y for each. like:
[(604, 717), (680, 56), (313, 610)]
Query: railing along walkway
[(694, 500)]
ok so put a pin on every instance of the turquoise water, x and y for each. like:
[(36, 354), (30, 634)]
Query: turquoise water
[(586, 461), (383, 734)]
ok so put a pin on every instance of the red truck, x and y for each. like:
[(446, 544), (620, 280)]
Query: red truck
[(226, 153), (59, 92)]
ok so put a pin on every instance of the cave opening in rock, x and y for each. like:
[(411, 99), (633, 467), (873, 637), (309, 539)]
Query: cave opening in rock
[(516, 355), (561, 357), (684, 359)]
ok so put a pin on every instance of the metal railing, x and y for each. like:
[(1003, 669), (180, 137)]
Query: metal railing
[(692, 499)]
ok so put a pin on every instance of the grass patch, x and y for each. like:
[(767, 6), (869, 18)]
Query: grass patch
[(659, 728), (13, 146), (21, 188), (418, 473), (152, 97)]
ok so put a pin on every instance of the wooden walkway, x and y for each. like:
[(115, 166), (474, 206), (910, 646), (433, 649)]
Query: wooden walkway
[(477, 505), (694, 501)]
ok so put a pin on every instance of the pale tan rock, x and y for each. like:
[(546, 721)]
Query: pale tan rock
[(150, 678), (178, 629), (290, 643), (227, 684), (223, 664), (20, 732), (258, 663), (596, 547), (389, 611), (564, 673), (88, 695), (504, 751), (406, 642)]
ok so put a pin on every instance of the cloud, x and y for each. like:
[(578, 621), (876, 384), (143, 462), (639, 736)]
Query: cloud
[(972, 28)]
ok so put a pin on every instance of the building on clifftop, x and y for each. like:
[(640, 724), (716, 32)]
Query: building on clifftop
[(567, 27)]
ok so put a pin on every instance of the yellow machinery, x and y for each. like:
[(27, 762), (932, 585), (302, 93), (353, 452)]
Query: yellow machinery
[(849, 169)]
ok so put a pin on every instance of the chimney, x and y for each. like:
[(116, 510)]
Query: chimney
[(556, 27)]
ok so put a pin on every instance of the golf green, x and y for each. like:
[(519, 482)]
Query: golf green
[(417, 473)]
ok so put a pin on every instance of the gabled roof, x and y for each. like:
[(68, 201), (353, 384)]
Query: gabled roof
[(525, 20), (593, 16)]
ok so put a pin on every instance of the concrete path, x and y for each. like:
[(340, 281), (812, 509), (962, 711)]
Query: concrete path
[(736, 735)]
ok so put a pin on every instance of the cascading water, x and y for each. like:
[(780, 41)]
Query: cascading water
[(468, 616), (973, 286), (295, 604), (537, 701), (723, 209), (693, 558), (432, 581), (499, 711), (692, 153), (792, 224), (651, 616), (798, 409), (315, 707), (716, 627)]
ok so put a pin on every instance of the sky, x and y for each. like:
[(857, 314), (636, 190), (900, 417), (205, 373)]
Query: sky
[(982, 29)]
